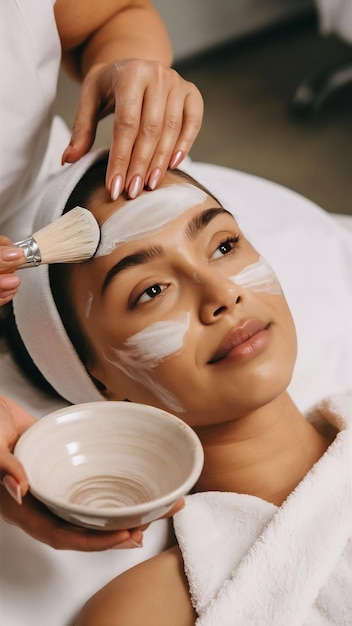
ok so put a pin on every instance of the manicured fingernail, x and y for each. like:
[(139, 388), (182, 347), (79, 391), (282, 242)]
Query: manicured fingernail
[(136, 186), (116, 187), (128, 544), (65, 157), (11, 254), (154, 178), (176, 159), (11, 485), (9, 282)]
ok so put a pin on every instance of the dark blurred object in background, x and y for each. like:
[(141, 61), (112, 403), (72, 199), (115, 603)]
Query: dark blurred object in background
[(327, 83)]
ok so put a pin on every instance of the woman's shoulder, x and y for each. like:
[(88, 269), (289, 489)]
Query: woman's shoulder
[(153, 593)]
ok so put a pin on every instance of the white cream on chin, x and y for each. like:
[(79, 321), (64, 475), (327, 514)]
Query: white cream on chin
[(146, 214), (145, 350), (258, 277)]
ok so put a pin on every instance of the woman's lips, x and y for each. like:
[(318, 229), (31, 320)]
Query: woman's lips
[(248, 340)]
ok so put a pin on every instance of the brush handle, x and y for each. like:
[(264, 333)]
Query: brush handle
[(31, 252)]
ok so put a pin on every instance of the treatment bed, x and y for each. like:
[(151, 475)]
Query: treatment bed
[(311, 252)]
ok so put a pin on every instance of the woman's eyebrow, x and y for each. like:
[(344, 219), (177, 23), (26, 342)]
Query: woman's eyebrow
[(200, 221), (194, 227), (131, 260)]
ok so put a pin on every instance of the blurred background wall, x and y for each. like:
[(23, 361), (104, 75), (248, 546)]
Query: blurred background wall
[(248, 58), (199, 25)]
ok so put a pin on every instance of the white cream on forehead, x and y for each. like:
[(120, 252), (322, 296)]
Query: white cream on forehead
[(258, 277), (144, 351), (146, 214)]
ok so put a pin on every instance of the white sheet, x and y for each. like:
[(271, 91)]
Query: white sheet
[(311, 252)]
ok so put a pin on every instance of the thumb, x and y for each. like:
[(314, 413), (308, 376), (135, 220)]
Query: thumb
[(13, 475), (84, 127)]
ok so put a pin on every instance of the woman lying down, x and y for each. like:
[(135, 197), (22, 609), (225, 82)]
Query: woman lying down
[(179, 311)]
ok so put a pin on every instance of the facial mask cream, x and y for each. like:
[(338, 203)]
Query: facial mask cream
[(258, 277), (146, 214), (145, 350)]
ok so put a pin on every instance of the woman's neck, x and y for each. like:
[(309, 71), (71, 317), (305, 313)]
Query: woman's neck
[(265, 454)]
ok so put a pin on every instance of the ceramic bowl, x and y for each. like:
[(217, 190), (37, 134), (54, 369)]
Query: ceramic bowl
[(110, 465)]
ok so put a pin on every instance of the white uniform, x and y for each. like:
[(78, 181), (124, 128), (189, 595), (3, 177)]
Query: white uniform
[(31, 140)]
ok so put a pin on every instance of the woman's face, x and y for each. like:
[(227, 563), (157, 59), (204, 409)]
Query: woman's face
[(186, 316)]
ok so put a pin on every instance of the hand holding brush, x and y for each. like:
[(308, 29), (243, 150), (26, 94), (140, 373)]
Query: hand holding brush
[(73, 238), (11, 258)]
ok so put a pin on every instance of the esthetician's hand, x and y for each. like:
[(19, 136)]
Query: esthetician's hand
[(19, 508), (40, 524), (10, 259), (157, 116)]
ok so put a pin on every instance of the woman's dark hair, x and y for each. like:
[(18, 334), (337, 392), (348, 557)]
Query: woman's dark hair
[(59, 276)]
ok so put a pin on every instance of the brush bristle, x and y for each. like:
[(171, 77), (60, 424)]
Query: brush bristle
[(72, 238)]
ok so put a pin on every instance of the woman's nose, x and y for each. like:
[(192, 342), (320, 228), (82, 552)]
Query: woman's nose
[(218, 296)]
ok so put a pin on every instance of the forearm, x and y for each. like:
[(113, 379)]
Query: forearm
[(94, 33)]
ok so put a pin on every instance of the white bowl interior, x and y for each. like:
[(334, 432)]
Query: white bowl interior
[(104, 456)]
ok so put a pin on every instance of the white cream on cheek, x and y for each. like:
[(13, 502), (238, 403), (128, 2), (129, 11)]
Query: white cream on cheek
[(145, 350), (136, 219), (258, 277), (146, 214)]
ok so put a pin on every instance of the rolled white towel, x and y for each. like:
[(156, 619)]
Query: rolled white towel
[(250, 563)]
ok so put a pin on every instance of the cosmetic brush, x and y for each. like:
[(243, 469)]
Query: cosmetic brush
[(72, 238)]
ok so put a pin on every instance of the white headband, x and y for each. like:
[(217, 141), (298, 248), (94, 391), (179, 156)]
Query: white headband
[(37, 317)]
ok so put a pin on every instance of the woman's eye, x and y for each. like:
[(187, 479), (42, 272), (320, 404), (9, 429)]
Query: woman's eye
[(226, 246), (152, 292)]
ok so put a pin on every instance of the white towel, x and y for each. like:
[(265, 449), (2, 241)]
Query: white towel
[(250, 563)]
